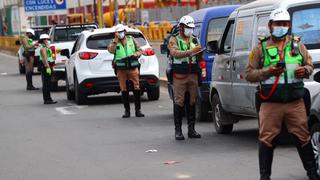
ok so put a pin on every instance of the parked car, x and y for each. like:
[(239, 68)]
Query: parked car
[(62, 37), (230, 94), (21, 59), (89, 69), (209, 25)]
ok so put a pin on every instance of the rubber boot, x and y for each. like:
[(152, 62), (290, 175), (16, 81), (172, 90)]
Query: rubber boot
[(29, 81), (307, 157), (265, 161), (178, 122), (126, 104), (137, 103), (192, 133)]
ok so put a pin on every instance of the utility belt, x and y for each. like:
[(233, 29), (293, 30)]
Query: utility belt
[(127, 63), (185, 68), (28, 53), (51, 64), (284, 93)]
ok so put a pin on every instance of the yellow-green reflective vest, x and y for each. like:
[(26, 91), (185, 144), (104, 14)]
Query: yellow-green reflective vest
[(288, 88), (122, 53), (183, 65), (49, 54)]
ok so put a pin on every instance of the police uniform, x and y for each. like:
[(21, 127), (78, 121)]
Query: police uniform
[(185, 79), (127, 66), (284, 104)]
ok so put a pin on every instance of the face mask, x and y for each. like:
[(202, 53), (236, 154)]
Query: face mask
[(188, 32), (280, 31), (121, 35)]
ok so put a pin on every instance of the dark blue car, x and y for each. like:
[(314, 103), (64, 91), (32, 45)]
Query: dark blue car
[(209, 25)]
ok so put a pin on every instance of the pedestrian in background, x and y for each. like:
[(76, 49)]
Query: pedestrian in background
[(47, 64), (28, 52), (126, 52), (280, 63)]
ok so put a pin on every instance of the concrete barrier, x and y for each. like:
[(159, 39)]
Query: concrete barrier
[(8, 44)]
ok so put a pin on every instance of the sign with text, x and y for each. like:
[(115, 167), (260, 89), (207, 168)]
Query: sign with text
[(45, 7)]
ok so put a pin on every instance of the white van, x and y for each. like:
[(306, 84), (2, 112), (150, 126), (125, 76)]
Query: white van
[(230, 93)]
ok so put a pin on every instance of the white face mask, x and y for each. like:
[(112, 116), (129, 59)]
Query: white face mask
[(188, 32), (121, 35)]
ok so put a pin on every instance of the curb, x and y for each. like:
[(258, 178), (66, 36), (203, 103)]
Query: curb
[(163, 82)]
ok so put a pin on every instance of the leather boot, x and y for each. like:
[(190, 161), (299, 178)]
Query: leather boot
[(192, 133), (137, 103), (178, 122), (126, 104), (29, 81), (307, 157), (265, 161)]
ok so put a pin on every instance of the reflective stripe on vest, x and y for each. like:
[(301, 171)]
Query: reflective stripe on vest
[(49, 54)]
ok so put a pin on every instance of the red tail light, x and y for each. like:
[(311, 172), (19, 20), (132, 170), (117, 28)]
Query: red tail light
[(87, 55), (88, 84), (152, 81), (53, 49), (203, 67), (149, 52)]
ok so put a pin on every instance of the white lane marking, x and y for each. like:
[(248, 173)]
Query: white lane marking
[(3, 54), (4, 74), (183, 176), (66, 110)]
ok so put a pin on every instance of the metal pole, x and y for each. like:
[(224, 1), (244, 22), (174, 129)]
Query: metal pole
[(101, 13), (95, 11), (116, 11)]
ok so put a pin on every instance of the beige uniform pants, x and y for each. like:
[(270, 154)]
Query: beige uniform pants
[(132, 75), (272, 116), (183, 83), (29, 61)]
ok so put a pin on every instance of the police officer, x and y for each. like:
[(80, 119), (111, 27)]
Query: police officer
[(126, 52), (47, 64), (280, 63), (185, 67), (29, 48)]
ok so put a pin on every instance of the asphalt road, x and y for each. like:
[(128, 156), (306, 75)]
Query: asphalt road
[(69, 142)]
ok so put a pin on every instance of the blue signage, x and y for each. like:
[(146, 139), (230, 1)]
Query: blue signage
[(44, 5)]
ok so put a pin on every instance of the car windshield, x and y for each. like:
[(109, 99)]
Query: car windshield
[(38, 32), (69, 34), (306, 25), (102, 41)]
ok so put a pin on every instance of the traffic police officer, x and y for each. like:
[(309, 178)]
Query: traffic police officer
[(47, 63), (280, 63), (28, 53), (185, 67), (126, 52)]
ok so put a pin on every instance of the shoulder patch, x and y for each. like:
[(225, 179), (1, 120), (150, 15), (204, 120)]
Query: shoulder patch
[(296, 38), (251, 56)]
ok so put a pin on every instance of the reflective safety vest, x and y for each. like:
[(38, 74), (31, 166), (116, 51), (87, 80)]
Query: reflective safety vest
[(288, 88), (185, 65), (49, 54), (122, 56)]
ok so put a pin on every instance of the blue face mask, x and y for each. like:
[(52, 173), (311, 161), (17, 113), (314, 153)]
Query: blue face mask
[(280, 31)]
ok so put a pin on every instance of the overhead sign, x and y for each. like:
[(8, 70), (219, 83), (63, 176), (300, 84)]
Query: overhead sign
[(45, 7)]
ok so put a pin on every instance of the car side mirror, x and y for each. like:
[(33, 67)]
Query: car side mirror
[(18, 42), (65, 52), (316, 77), (212, 46), (163, 48)]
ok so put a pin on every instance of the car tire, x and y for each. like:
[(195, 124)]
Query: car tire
[(202, 114), (70, 94), (80, 97), (315, 141), (153, 93), (219, 115), (22, 69)]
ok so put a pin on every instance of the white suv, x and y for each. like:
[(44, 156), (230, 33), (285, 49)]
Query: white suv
[(89, 69)]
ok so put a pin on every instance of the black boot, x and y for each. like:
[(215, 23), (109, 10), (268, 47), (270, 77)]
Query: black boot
[(29, 81), (265, 161), (178, 111), (126, 104), (192, 133), (137, 103), (307, 157)]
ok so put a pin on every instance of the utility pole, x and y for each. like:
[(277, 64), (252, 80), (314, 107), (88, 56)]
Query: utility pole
[(198, 4), (95, 11), (100, 13), (116, 11)]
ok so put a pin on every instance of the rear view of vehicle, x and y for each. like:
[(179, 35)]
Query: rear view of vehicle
[(90, 68)]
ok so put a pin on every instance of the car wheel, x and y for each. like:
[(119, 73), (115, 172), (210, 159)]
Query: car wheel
[(202, 114), (70, 94), (153, 93), (22, 69), (315, 141), (219, 115), (54, 86), (80, 97)]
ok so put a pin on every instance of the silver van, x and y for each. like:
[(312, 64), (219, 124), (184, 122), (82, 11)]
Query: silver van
[(230, 93)]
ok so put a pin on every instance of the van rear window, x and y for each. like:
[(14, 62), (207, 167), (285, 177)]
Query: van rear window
[(306, 25), (102, 41)]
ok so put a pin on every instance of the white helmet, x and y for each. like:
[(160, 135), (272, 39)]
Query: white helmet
[(30, 31), (119, 28), (188, 21), (44, 36), (279, 15)]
